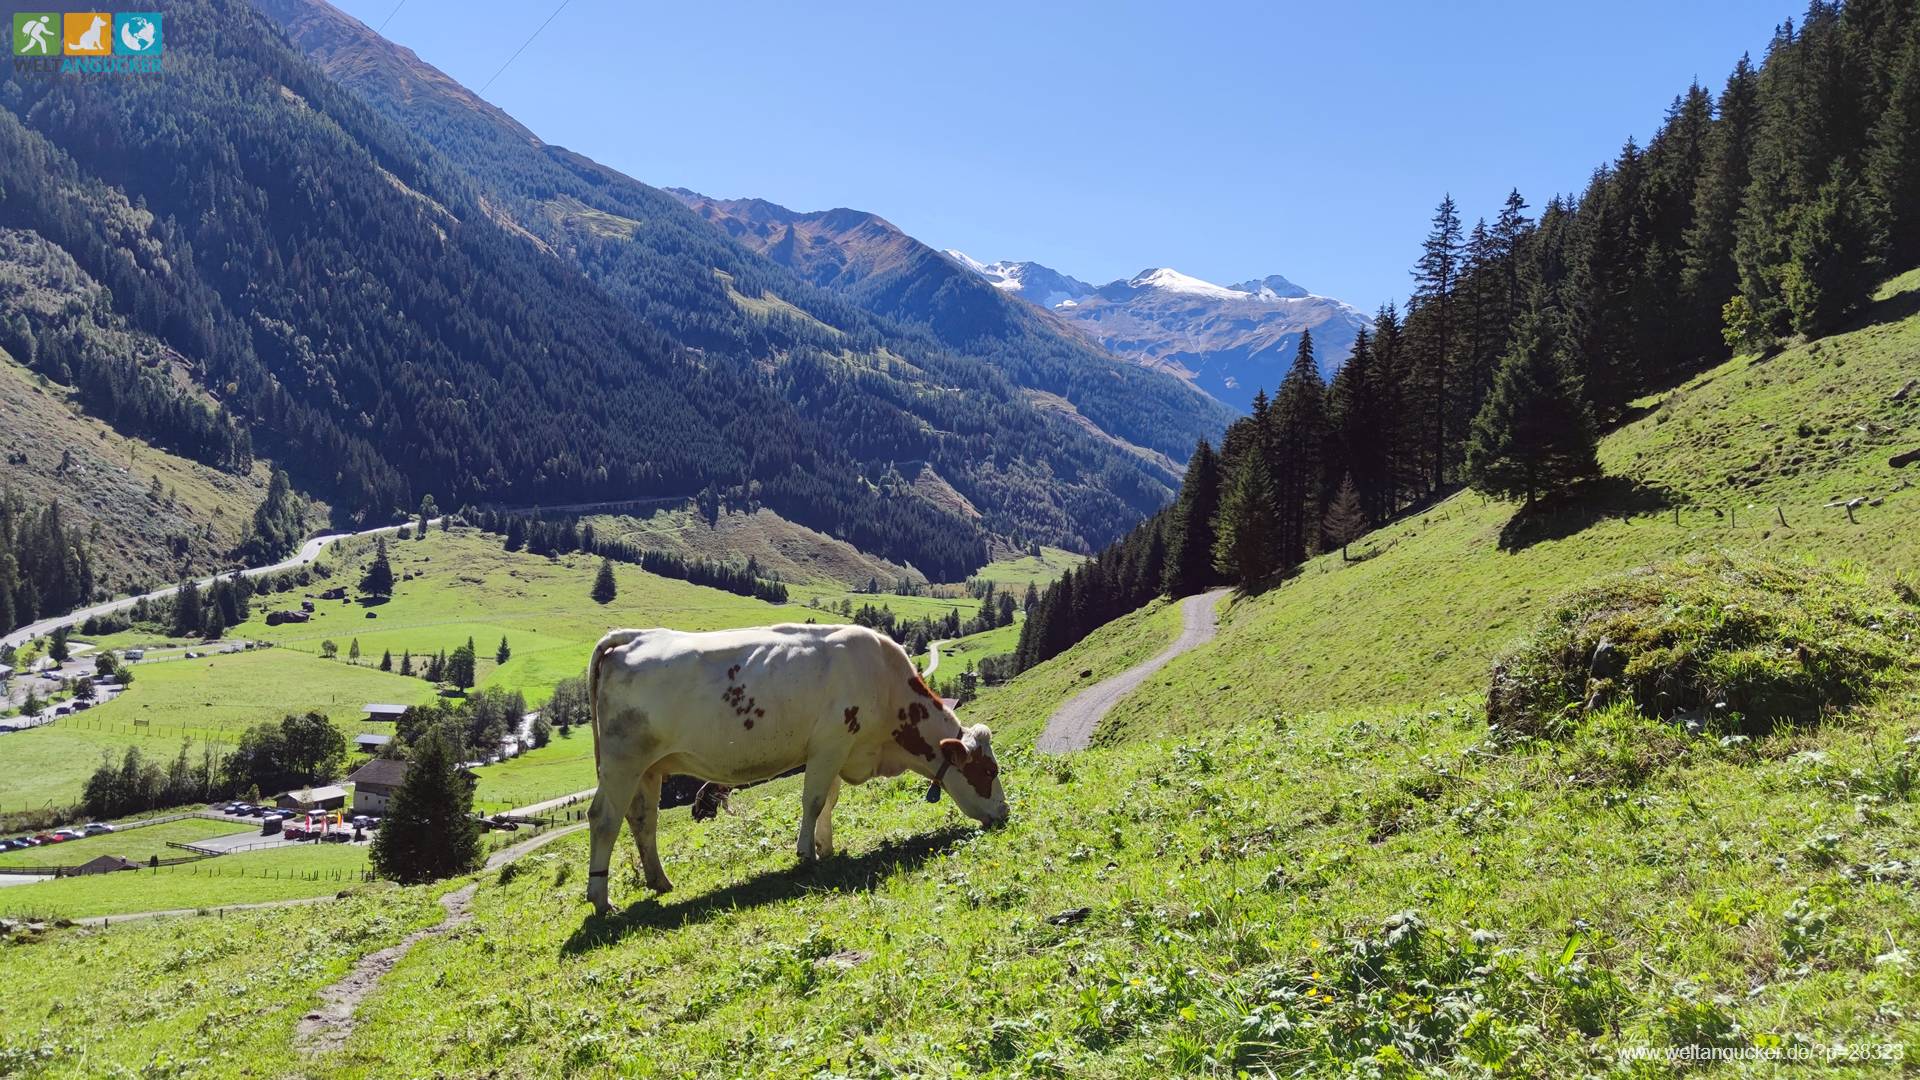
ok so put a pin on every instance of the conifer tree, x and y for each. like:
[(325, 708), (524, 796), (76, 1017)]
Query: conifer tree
[(459, 669), (386, 660), (1893, 159), (429, 831), (1346, 519), (406, 662), (503, 653), (1535, 433), (1246, 538), (1435, 278), (1295, 461), (378, 580), (604, 587), (1709, 277), (1190, 537), (1833, 258), (187, 616)]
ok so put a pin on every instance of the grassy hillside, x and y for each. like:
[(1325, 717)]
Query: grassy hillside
[(1402, 892), (105, 482), (1301, 850), (795, 552), (1439, 595)]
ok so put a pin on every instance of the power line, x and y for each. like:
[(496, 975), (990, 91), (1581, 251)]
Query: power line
[(390, 15), (523, 45)]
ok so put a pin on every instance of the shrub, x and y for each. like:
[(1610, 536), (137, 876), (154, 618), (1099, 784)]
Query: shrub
[(1729, 642)]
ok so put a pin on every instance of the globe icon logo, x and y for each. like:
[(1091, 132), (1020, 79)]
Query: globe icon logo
[(137, 34)]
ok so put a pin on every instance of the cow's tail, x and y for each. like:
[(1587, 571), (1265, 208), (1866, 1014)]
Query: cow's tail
[(613, 640)]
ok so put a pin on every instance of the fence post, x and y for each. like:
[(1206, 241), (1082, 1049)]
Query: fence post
[(1781, 513)]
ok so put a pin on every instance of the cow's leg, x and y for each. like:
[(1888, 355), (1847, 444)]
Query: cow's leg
[(822, 776), (618, 784), (823, 826), (643, 817)]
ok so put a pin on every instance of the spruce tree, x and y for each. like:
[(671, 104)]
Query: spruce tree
[(406, 662), (604, 587), (1833, 258), (1299, 422), (386, 660), (1246, 537), (503, 653), (1190, 538), (1535, 433), (1346, 519), (1893, 159), (378, 580), (429, 831), (1435, 278), (187, 616), (1709, 277)]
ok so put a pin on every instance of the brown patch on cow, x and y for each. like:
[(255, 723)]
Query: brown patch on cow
[(908, 733), (919, 686), (852, 718), (981, 775)]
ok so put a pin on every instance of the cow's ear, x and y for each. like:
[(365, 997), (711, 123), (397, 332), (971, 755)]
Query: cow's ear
[(955, 751)]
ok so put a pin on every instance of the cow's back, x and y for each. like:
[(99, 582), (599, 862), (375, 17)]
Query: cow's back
[(729, 705)]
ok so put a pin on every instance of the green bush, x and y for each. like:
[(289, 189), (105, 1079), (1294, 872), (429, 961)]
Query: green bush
[(1725, 642)]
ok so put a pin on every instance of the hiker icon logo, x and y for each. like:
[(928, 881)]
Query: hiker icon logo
[(35, 33)]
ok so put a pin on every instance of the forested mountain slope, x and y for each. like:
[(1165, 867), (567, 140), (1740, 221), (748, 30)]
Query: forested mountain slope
[(1758, 455), (888, 391), (870, 261), (350, 303)]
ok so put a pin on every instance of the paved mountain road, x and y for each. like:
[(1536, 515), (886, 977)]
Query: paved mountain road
[(308, 552), (1071, 725)]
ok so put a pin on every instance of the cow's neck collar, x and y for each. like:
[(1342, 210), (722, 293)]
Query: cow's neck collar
[(933, 789)]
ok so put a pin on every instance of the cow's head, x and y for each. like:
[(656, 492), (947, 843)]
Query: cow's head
[(970, 774)]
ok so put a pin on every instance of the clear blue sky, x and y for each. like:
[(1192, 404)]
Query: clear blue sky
[(1229, 142)]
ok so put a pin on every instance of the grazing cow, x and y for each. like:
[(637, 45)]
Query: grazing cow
[(736, 706)]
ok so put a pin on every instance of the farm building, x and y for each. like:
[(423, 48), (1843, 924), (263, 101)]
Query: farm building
[(375, 783), (331, 797), (102, 864), (389, 714), (371, 744)]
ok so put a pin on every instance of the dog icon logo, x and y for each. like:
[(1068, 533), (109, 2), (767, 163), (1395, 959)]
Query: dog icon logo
[(88, 33)]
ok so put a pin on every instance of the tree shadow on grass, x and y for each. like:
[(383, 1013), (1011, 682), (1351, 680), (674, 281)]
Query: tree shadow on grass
[(1564, 514), (840, 873)]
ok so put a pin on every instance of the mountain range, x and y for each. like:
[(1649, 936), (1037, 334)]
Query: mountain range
[(361, 271), (1227, 340)]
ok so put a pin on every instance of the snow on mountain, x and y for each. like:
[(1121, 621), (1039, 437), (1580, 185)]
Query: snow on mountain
[(1228, 340), (1037, 285)]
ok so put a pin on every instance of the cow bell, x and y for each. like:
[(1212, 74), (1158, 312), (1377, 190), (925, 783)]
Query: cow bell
[(933, 792)]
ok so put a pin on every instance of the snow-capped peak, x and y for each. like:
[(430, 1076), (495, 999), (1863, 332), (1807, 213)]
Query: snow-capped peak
[(1172, 280)]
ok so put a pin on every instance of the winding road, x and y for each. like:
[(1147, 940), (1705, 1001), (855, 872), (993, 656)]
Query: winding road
[(308, 552), (1071, 726), (933, 659)]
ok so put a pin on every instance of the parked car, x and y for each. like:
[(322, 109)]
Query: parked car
[(49, 838), (97, 828)]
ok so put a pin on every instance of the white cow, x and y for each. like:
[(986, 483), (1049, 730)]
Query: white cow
[(736, 706)]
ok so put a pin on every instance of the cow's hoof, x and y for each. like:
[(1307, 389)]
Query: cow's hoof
[(662, 885)]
